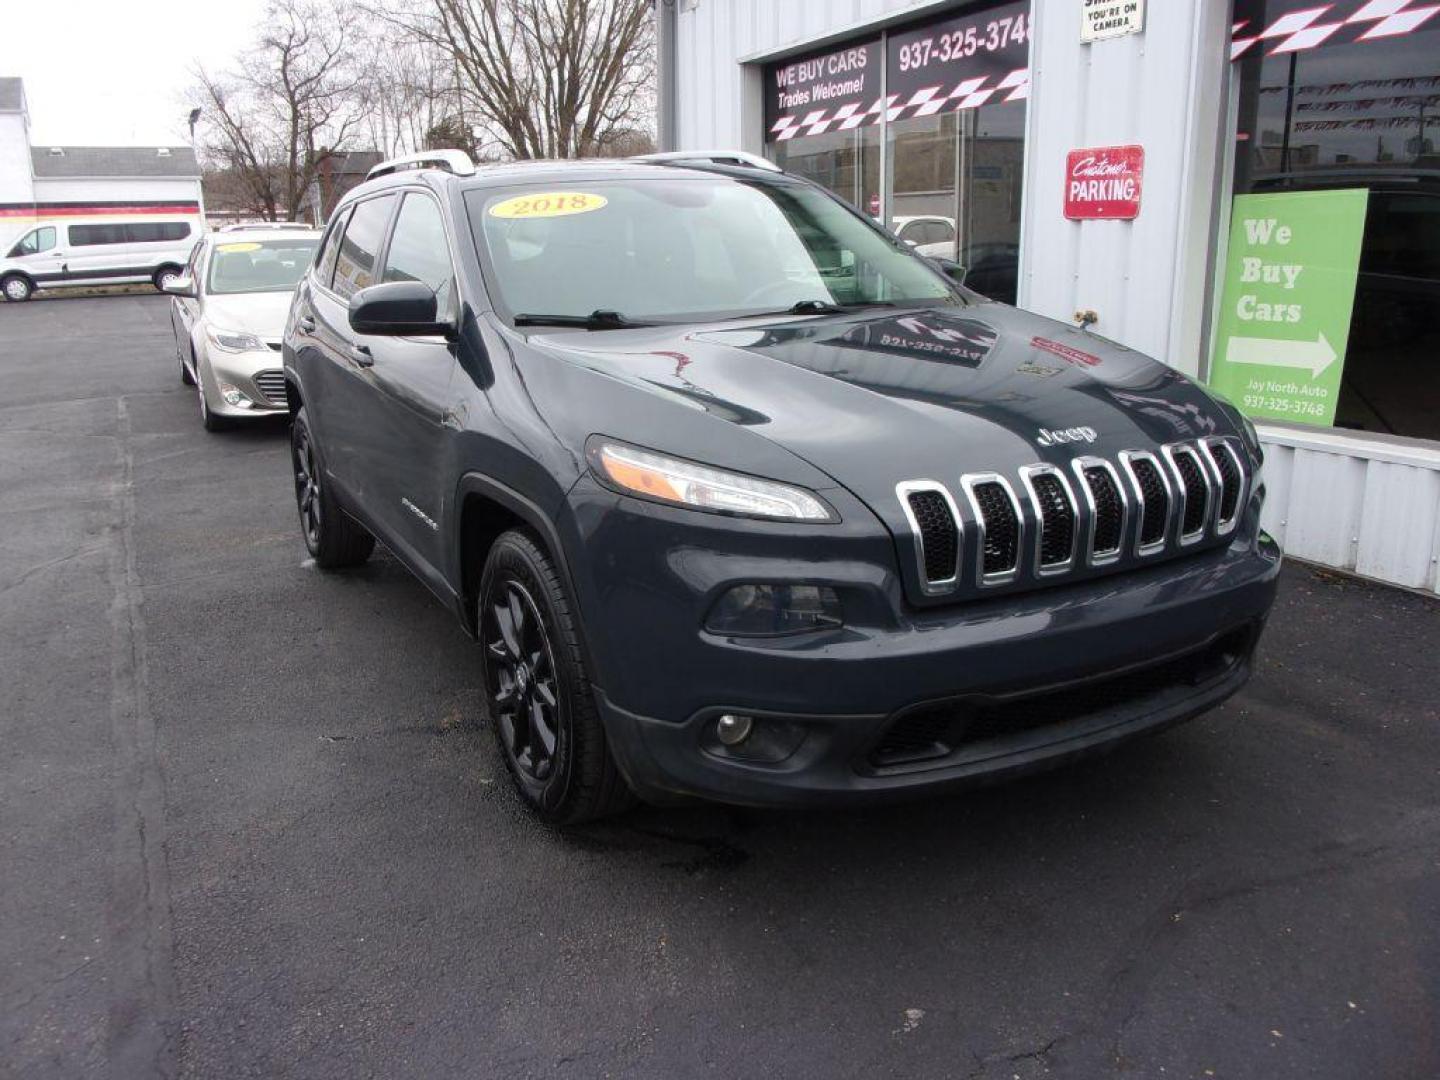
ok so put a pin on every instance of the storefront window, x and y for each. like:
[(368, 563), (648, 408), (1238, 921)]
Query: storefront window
[(1335, 99), (956, 127), (951, 105)]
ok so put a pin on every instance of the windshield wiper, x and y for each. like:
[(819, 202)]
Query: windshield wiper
[(599, 319), (819, 307)]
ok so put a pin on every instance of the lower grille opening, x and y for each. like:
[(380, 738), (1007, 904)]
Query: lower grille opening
[(1002, 527), (939, 536), (931, 733)]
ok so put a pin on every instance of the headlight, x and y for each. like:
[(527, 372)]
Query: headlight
[(233, 340), (685, 483)]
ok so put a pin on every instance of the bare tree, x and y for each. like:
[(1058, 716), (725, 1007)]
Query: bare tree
[(289, 107), (546, 78)]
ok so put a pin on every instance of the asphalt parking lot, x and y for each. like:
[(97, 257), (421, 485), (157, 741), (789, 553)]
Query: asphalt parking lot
[(252, 824)]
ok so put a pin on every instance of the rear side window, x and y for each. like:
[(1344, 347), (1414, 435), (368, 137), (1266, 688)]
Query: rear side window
[(418, 249), (149, 232), (95, 235), (34, 242), (329, 249), (355, 264)]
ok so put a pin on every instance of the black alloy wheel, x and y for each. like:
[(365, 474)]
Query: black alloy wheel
[(520, 673), (538, 695), (334, 538), (307, 486)]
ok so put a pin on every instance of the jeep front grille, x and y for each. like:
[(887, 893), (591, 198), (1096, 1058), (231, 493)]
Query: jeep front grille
[(1056, 521)]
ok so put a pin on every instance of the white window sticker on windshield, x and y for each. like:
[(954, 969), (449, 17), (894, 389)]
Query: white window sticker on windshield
[(239, 247), (548, 204)]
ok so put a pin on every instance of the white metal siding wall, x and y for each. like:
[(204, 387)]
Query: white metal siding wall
[(1161, 89), (1355, 504)]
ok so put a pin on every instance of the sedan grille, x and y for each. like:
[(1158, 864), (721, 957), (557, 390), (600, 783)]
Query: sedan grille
[(1072, 518), (272, 384)]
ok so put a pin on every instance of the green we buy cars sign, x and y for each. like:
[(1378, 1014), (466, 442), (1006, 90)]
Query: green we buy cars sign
[(1289, 288)]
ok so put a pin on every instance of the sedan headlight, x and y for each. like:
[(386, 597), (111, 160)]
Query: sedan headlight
[(686, 483), (233, 340)]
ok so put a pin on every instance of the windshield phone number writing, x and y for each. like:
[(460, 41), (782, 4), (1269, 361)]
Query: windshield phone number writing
[(963, 43)]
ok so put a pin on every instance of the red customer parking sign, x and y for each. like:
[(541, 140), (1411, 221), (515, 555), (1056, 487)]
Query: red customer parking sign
[(1104, 182)]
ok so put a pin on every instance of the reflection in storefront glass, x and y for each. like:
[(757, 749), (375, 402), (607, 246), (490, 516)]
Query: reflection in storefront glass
[(1360, 111), (845, 162)]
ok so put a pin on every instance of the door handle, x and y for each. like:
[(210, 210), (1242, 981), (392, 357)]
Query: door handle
[(360, 354), (305, 324)]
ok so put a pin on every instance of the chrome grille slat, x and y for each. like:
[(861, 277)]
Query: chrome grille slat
[(1055, 517), (927, 506), (1230, 472), (999, 526), (1194, 487), (1152, 500), (1107, 509)]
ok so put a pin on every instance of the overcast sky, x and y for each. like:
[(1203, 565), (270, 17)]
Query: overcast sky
[(114, 72)]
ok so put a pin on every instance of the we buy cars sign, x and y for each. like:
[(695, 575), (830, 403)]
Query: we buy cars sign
[(1104, 182)]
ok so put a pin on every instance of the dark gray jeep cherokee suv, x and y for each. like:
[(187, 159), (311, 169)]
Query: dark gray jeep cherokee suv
[(744, 500)]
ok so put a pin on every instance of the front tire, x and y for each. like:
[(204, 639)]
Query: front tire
[(333, 538), (16, 288), (537, 691)]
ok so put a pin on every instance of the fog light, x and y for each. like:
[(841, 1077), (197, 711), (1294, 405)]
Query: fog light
[(772, 610), (234, 397), (733, 730)]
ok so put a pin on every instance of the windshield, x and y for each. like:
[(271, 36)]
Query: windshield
[(672, 248), (249, 266)]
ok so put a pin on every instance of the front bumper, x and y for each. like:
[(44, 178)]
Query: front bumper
[(257, 375), (1005, 685)]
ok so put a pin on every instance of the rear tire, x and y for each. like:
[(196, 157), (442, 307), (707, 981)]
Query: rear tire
[(537, 691), (17, 288), (164, 275), (334, 539)]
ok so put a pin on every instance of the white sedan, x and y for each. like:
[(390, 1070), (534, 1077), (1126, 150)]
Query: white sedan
[(228, 314)]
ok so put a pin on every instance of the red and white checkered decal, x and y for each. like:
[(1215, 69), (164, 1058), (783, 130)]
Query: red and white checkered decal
[(967, 94), (1357, 20)]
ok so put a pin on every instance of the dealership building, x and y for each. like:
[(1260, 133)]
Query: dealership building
[(1248, 190)]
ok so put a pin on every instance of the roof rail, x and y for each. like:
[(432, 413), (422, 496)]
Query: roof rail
[(713, 157), (452, 161)]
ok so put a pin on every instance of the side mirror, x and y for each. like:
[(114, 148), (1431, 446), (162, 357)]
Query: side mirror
[(397, 309), (181, 286)]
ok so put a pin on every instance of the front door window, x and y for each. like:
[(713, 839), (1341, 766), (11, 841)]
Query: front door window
[(34, 242)]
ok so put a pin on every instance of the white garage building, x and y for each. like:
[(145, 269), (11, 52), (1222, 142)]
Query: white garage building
[(80, 182)]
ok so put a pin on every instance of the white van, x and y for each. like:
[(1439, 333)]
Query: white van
[(56, 254)]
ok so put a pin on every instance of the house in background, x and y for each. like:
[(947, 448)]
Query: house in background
[(78, 182)]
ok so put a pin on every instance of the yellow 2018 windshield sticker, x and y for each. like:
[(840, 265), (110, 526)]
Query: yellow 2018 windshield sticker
[(238, 247), (548, 204)]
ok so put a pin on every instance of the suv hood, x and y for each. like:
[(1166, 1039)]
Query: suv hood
[(894, 395)]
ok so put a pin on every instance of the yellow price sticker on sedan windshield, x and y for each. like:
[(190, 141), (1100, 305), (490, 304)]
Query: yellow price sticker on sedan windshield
[(239, 247), (548, 204)]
